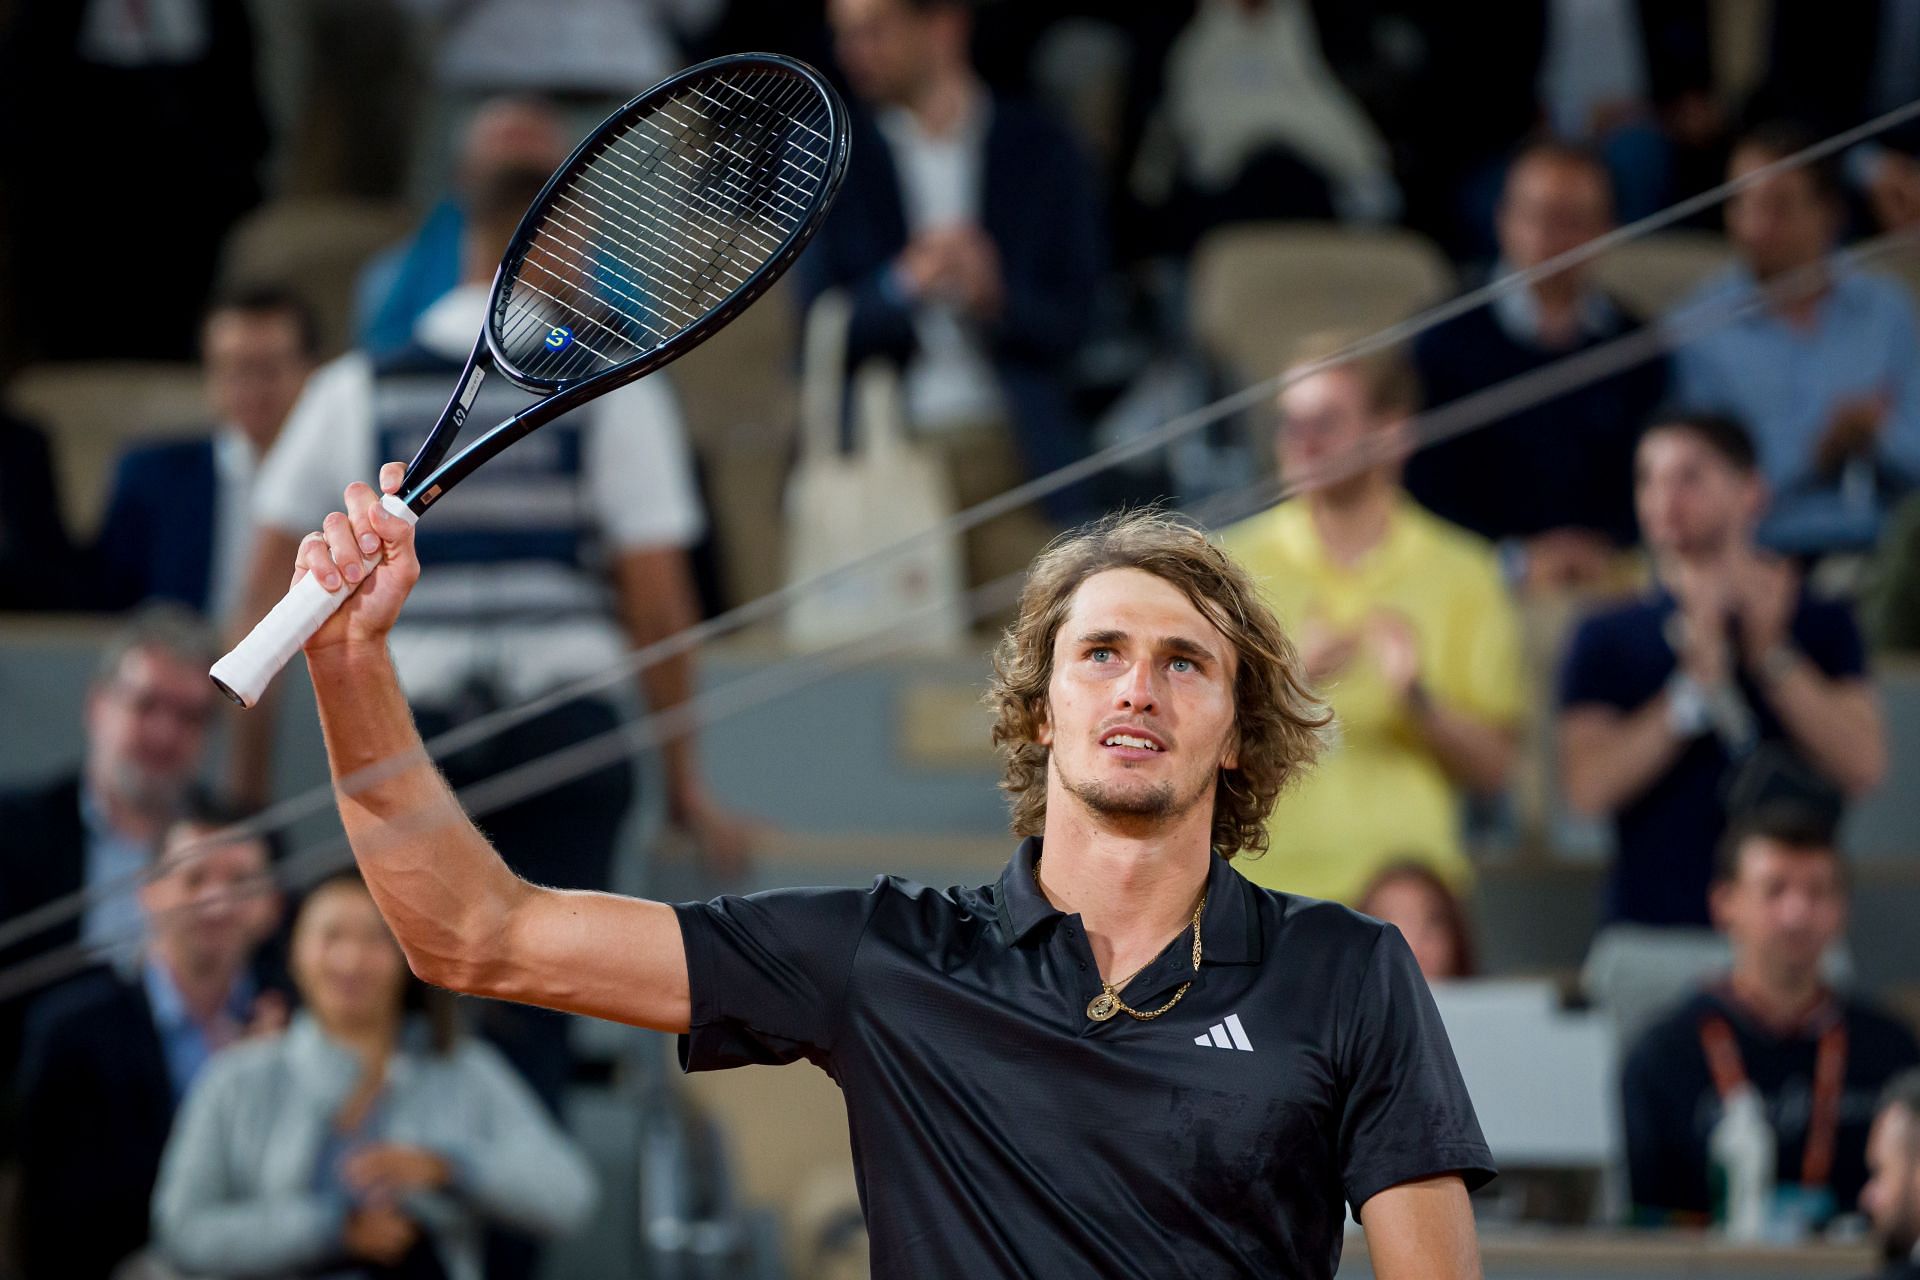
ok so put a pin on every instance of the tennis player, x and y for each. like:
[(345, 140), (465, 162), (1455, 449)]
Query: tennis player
[(1121, 1059)]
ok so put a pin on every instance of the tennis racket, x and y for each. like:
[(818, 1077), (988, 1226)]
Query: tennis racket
[(666, 223)]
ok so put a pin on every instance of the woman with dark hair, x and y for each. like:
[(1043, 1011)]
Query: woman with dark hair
[(370, 1141), (1414, 899)]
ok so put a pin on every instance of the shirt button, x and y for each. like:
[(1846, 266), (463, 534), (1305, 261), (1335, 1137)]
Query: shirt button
[(1083, 966)]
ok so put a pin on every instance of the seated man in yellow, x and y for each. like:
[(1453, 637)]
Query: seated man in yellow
[(1404, 626)]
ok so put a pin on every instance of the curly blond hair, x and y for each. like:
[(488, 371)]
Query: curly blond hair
[(1277, 718)]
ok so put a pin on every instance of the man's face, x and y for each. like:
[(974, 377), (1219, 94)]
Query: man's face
[(1784, 907), (255, 366), (1891, 1198), (884, 47), (1140, 706), (1781, 223), (1691, 499), (213, 903), (1552, 204), (1328, 427), (146, 728)]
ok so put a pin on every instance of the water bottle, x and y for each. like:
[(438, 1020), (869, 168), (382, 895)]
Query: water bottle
[(1740, 1153)]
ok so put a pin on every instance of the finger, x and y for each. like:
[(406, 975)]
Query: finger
[(361, 499), (391, 475), (318, 560), (346, 555)]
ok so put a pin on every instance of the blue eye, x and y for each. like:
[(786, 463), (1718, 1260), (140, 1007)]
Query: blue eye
[(1182, 664), (1099, 655)]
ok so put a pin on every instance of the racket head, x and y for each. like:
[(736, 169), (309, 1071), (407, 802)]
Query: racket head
[(671, 217)]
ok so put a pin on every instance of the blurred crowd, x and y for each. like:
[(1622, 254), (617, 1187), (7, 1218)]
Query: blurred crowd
[(1667, 577)]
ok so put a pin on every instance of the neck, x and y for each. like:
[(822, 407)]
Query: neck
[(1132, 891), (127, 817), (1799, 304), (1780, 998), (204, 983), (943, 102), (372, 1042), (1556, 301), (1352, 521)]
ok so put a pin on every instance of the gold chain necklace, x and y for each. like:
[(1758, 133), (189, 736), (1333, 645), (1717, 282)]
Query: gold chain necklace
[(1108, 1003)]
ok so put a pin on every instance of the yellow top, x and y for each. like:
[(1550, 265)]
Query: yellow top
[(1378, 794)]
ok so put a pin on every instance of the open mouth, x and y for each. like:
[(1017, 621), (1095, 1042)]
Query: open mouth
[(1132, 745)]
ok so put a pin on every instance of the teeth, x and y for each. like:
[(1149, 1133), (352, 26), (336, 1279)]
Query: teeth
[(1128, 740)]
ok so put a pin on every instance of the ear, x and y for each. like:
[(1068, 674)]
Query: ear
[(1720, 904), (1043, 732)]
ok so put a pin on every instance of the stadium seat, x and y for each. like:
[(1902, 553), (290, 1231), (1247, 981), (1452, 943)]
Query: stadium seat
[(315, 246), (1258, 289), (1652, 274), (91, 410)]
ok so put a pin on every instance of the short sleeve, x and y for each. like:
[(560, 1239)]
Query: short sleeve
[(769, 973), (1827, 632), (325, 446), (639, 469), (1406, 1113), (1589, 673)]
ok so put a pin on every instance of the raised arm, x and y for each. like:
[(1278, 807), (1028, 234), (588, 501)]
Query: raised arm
[(464, 919)]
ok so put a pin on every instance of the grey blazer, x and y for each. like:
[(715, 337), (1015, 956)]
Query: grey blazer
[(238, 1193)]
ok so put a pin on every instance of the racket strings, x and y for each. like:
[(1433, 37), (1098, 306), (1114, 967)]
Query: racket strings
[(671, 215)]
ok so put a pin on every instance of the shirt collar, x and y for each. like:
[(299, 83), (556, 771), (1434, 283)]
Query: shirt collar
[(1518, 314), (169, 1007), (1229, 931)]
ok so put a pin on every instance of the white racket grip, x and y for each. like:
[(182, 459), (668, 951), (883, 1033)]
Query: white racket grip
[(245, 673)]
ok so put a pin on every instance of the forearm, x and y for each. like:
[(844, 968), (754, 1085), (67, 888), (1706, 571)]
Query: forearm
[(1474, 753), (1607, 760), (442, 888), (1836, 724)]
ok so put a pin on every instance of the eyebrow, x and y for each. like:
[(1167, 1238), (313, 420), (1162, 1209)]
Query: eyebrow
[(1179, 645)]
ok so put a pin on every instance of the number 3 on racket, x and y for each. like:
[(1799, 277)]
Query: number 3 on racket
[(667, 222)]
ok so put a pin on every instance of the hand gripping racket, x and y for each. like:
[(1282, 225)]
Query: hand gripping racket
[(666, 223)]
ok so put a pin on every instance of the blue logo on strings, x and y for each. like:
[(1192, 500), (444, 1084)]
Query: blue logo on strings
[(558, 337)]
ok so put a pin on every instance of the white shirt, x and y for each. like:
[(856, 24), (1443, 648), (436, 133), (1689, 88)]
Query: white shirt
[(234, 467), (640, 493), (1594, 57), (949, 381)]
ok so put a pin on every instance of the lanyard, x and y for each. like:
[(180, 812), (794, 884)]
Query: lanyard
[(1829, 1075)]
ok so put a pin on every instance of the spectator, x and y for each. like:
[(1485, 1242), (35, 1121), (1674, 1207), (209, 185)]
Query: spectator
[(1551, 484), (95, 828), (1816, 1057), (1400, 619), (1891, 1198), (1727, 683), (547, 565), (397, 287), (1827, 373), (1260, 128), (36, 569), (1429, 915), (108, 1056), (179, 525), (980, 291), (367, 1140)]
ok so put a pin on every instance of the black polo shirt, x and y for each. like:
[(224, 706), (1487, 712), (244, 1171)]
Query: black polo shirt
[(997, 1131)]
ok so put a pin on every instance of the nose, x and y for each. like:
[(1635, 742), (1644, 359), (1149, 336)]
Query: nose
[(1136, 692)]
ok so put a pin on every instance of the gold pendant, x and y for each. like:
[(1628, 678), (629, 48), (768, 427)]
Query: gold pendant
[(1103, 1006)]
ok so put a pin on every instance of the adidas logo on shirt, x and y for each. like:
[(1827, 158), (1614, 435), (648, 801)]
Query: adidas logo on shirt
[(1226, 1035)]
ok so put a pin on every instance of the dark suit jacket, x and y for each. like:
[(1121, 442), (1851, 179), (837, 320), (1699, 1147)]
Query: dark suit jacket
[(43, 856), (35, 558), (95, 1104), (1039, 206), (156, 541)]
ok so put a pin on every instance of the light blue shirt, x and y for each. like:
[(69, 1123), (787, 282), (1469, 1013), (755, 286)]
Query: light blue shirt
[(186, 1043), (113, 919), (1783, 382)]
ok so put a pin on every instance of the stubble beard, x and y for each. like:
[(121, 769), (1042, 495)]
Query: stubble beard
[(1155, 803)]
